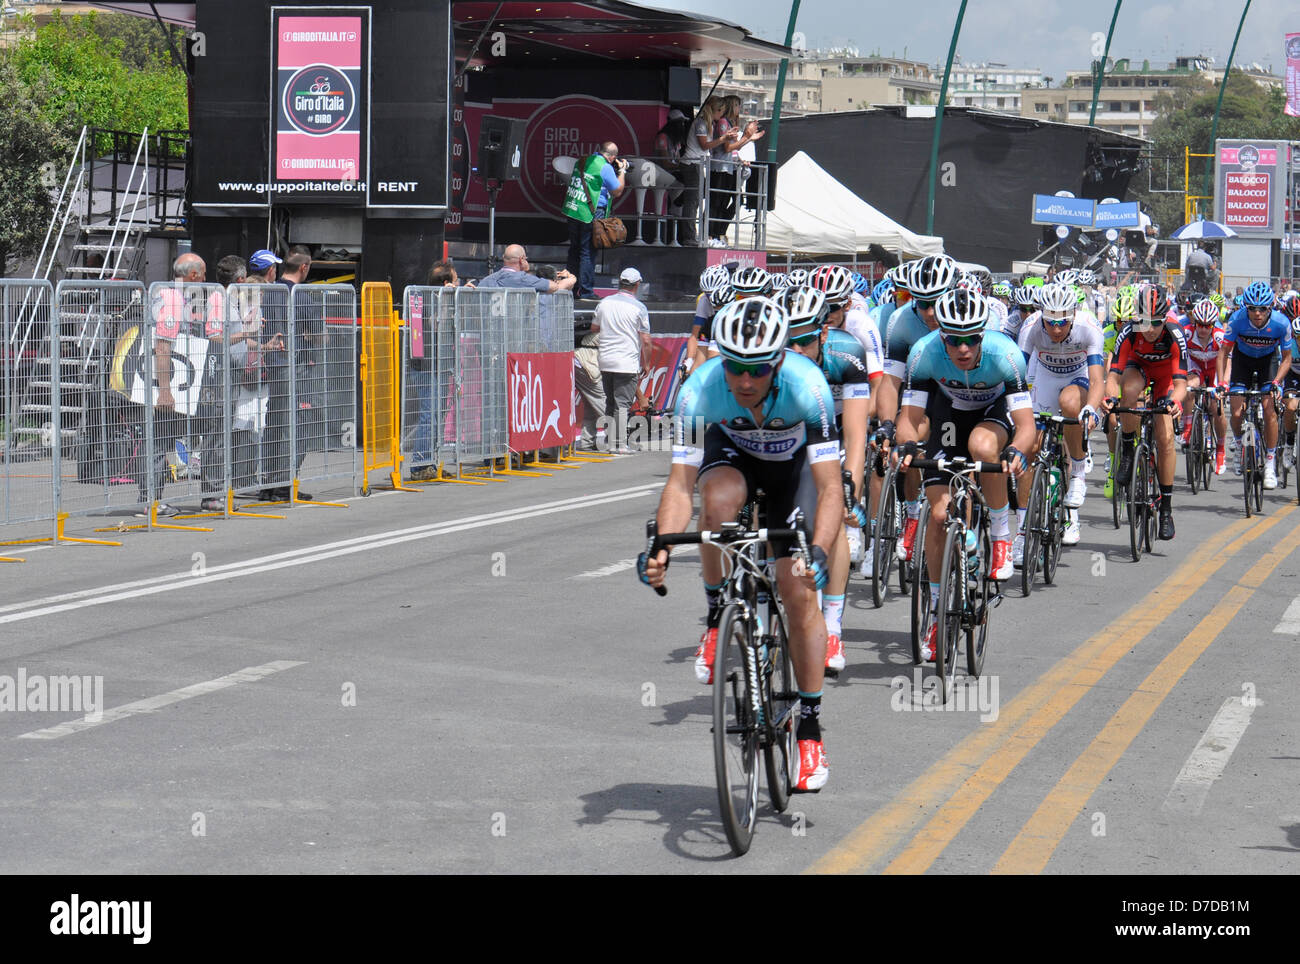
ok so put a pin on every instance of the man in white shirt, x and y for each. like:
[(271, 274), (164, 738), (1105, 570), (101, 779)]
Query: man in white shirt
[(624, 326)]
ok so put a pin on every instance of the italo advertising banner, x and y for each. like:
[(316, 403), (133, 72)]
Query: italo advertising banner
[(1250, 185), (320, 114)]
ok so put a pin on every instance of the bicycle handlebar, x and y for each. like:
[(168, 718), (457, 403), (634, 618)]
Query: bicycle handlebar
[(957, 466)]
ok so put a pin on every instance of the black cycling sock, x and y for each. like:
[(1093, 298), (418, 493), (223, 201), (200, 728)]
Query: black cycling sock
[(713, 596), (1166, 498), (1128, 437), (810, 710)]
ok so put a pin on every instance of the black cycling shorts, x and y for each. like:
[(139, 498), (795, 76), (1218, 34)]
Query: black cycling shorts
[(942, 415), (787, 484)]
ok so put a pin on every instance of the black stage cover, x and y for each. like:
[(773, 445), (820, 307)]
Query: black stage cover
[(984, 199)]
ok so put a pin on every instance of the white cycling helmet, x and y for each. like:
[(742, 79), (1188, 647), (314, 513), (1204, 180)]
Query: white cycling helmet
[(713, 277), (1067, 277), (1027, 296), (797, 276), (898, 275), (804, 306), (930, 277), (833, 281), (780, 282), (1058, 301), (723, 295), (751, 281), (751, 331), (1088, 278), (961, 311)]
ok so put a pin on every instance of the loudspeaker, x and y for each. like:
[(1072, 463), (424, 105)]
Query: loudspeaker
[(500, 147)]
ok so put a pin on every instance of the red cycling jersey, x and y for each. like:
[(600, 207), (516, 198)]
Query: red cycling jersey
[(1203, 358), (1162, 361)]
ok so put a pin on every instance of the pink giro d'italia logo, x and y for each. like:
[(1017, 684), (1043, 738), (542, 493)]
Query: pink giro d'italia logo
[(319, 100)]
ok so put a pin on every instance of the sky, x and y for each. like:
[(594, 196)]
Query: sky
[(1052, 35)]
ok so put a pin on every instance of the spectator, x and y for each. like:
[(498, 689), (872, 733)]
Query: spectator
[(726, 164), (683, 202), (1200, 269), (587, 380), (423, 381), (276, 469), (624, 326), (172, 316), (597, 181), (217, 407), (514, 274), (308, 360)]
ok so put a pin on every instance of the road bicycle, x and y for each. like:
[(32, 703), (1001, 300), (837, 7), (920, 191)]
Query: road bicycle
[(1142, 488), (1045, 516), (755, 696), (966, 591), (1201, 441), (1252, 449)]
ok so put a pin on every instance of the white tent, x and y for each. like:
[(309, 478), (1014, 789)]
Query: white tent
[(816, 214)]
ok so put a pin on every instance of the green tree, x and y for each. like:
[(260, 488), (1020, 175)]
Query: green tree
[(91, 80), (31, 149)]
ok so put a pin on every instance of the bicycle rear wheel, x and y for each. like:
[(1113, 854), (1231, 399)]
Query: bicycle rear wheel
[(781, 755), (1033, 531), (735, 731), (952, 604)]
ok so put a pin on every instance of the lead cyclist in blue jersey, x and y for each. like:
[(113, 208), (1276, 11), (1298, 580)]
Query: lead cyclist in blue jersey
[(970, 384), (1255, 333), (748, 420)]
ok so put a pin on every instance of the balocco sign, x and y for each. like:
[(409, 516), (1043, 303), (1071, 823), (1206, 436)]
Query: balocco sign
[(1249, 186)]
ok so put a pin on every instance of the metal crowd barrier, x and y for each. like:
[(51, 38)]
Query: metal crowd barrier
[(119, 401), (380, 383)]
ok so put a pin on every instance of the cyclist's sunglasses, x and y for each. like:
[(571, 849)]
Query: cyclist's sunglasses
[(1257, 308), (963, 341), (1057, 322), (924, 304), (754, 371), (805, 337)]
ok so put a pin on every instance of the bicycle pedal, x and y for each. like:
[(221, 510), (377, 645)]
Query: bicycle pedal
[(995, 600)]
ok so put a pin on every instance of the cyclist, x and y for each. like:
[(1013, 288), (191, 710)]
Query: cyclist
[(714, 279), (841, 360), (1070, 381), (752, 281), (929, 279), (766, 414), (1150, 350), (1289, 305), (1254, 334), (1204, 342), (970, 385)]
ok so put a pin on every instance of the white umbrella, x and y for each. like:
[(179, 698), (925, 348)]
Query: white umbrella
[(1203, 230)]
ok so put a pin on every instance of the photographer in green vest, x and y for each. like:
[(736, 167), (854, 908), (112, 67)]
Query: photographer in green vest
[(597, 180)]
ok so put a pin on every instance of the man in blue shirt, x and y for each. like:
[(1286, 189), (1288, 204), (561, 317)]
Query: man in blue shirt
[(514, 274)]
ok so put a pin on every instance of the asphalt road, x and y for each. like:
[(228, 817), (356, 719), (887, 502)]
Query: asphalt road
[(470, 679)]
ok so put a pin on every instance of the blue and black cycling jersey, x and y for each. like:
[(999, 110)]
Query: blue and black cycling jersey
[(1000, 371), (905, 329), (1258, 342), (844, 364), (798, 414)]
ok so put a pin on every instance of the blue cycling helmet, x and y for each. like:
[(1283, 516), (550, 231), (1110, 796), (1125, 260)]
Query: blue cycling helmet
[(1258, 295), (860, 284), (882, 291)]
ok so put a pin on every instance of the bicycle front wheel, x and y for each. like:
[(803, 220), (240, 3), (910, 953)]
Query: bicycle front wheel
[(735, 729), (781, 754), (921, 613), (978, 633), (1053, 537), (1137, 506), (885, 542), (952, 606), (1247, 472), (1194, 444), (1033, 530)]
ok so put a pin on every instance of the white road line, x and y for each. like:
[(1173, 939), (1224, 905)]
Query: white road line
[(620, 566), (297, 557), (1207, 761), (1290, 623), (154, 703)]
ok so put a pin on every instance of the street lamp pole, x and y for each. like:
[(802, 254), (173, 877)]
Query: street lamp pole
[(775, 130), (938, 123), (1096, 80)]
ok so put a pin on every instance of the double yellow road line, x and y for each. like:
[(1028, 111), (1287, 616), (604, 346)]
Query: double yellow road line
[(929, 813)]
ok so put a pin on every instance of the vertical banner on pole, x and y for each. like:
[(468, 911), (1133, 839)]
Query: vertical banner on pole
[(1293, 74)]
